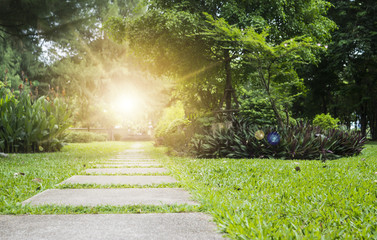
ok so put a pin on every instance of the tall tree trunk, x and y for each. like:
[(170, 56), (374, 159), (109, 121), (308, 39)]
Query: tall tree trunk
[(373, 129), (363, 123), (373, 125), (324, 104), (276, 112), (228, 83)]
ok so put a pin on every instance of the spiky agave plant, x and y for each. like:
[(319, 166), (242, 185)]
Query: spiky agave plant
[(299, 141)]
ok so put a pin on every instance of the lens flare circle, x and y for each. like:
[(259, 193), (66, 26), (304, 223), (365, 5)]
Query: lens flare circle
[(259, 135), (273, 138)]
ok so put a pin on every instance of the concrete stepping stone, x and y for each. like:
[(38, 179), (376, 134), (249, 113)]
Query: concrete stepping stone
[(133, 155), (114, 197), (120, 161), (132, 159), (103, 180), (133, 150), (157, 226), (125, 164), (125, 170)]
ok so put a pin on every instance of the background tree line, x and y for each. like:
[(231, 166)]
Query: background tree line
[(329, 67)]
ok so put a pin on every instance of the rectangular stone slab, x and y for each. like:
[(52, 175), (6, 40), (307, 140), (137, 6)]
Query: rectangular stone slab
[(157, 226), (127, 161), (125, 164), (105, 180), (133, 150), (132, 159), (133, 155), (125, 170), (114, 197)]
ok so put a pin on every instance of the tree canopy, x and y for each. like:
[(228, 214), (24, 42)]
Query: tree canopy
[(290, 59), (180, 40)]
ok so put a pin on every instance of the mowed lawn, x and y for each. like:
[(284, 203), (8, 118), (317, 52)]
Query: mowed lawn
[(248, 198), (281, 199), (24, 175)]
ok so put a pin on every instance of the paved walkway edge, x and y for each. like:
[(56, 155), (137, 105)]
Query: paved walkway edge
[(177, 226)]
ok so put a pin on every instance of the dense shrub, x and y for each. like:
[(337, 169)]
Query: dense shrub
[(85, 137), (300, 141), (175, 136), (174, 112), (31, 126), (171, 129), (325, 121)]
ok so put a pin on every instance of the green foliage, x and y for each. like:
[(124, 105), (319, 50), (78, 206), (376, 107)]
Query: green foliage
[(274, 63), (270, 199), (175, 131), (27, 126), (343, 83), (237, 139), (209, 53), (325, 121), (84, 137), (175, 136), (170, 114), (253, 106)]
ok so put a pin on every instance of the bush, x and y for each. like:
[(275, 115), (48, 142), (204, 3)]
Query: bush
[(300, 141), (31, 126), (175, 135), (85, 137), (325, 121), (171, 129), (169, 115)]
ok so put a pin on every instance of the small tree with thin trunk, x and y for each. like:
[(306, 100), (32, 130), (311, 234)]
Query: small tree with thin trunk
[(273, 64)]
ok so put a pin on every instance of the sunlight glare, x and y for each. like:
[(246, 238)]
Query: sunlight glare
[(127, 104)]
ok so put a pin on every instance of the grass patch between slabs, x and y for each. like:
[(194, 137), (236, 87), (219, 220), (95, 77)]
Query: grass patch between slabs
[(102, 209), (102, 186)]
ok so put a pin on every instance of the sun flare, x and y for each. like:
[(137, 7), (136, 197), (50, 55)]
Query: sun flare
[(129, 104)]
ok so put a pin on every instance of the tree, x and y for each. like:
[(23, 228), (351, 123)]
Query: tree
[(170, 36), (274, 63), (63, 28), (344, 83)]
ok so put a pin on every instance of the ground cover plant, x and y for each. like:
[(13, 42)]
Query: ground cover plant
[(28, 125), (240, 138), (285, 199), (84, 137)]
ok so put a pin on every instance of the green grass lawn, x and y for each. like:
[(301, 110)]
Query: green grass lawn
[(248, 198), (281, 199)]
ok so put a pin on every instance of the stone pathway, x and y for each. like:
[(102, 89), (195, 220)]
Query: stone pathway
[(172, 226), (136, 164), (126, 170)]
